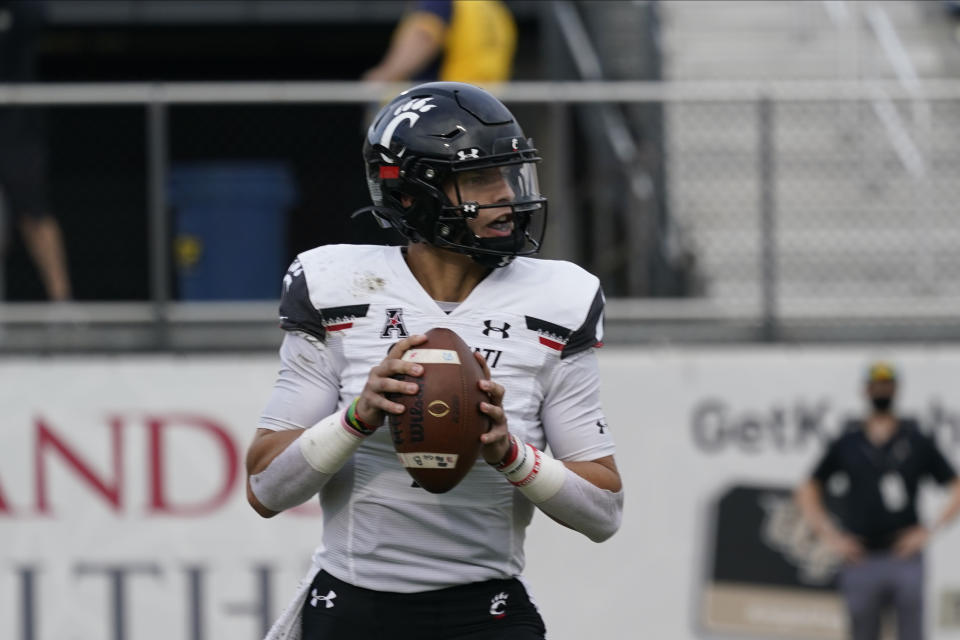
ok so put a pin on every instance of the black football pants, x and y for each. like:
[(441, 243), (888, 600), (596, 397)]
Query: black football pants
[(492, 610)]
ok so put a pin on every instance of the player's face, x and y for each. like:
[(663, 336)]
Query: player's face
[(485, 186)]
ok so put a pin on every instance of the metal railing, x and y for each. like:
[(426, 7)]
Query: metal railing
[(762, 123)]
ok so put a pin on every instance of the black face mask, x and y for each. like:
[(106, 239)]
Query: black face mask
[(882, 403)]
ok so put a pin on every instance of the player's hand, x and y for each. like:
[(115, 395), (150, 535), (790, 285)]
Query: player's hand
[(373, 401), (911, 541), (846, 546), (496, 441)]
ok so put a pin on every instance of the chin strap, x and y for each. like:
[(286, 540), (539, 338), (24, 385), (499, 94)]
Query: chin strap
[(379, 214)]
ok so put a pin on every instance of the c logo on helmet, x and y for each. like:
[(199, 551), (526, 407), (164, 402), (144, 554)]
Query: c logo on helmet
[(409, 111)]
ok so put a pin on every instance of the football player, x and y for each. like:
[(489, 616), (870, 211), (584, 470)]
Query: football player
[(449, 167)]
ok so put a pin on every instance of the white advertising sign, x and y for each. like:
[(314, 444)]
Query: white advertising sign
[(123, 515)]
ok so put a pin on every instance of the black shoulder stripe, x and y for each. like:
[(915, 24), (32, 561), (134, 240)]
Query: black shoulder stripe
[(297, 313), (344, 314), (544, 327), (586, 336)]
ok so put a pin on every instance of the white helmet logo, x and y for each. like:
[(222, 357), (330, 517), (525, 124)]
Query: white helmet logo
[(514, 144), (409, 111), (463, 154)]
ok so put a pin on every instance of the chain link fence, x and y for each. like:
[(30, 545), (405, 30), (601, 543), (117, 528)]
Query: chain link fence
[(784, 211)]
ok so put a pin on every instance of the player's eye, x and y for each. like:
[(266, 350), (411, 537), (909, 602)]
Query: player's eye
[(481, 178)]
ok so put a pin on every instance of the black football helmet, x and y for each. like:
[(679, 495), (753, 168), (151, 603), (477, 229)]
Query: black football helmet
[(421, 141)]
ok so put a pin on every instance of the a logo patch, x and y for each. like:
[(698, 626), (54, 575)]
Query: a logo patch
[(550, 334), (410, 112), (295, 271), (468, 154), (500, 330), (438, 408), (342, 318), (328, 599), (498, 605), (394, 327)]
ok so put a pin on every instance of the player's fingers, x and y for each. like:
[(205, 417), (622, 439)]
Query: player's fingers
[(371, 400), (394, 385), (381, 385), (392, 367), (401, 346), (483, 363), (496, 444), (495, 412), (498, 431), (393, 364), (494, 390)]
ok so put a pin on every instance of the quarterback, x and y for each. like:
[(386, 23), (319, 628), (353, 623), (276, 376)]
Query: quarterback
[(448, 166)]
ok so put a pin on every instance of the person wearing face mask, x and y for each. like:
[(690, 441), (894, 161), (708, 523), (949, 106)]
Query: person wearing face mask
[(876, 530)]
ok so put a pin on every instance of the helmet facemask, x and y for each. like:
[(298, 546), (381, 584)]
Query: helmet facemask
[(447, 195), (506, 185)]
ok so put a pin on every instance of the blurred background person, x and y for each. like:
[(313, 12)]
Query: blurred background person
[(23, 153), (880, 537), (458, 40), (953, 9)]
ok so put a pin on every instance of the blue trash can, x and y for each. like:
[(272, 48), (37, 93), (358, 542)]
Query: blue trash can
[(230, 228)]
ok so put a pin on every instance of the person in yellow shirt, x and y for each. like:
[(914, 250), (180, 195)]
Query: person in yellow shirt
[(455, 40)]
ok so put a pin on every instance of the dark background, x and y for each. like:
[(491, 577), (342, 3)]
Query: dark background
[(98, 155)]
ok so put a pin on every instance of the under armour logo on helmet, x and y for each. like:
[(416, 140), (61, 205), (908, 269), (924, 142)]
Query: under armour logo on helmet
[(470, 207), (463, 154)]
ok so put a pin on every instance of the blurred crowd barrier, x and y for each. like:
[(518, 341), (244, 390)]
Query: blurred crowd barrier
[(711, 211)]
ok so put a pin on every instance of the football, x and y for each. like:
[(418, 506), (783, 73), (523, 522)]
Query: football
[(437, 437)]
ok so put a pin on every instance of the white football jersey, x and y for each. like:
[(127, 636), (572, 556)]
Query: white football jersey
[(536, 323)]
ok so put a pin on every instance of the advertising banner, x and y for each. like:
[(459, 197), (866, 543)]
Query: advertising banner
[(123, 514)]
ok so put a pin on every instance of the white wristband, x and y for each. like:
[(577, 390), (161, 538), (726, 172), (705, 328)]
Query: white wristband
[(537, 475), (327, 445)]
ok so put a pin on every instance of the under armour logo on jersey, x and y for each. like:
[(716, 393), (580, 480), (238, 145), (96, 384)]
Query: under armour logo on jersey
[(328, 599), (294, 271), (472, 154), (498, 605), (501, 330), (394, 325)]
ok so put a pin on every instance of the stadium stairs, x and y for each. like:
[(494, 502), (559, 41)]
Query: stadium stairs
[(851, 219)]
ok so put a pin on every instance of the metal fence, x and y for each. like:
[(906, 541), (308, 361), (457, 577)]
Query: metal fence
[(746, 211)]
